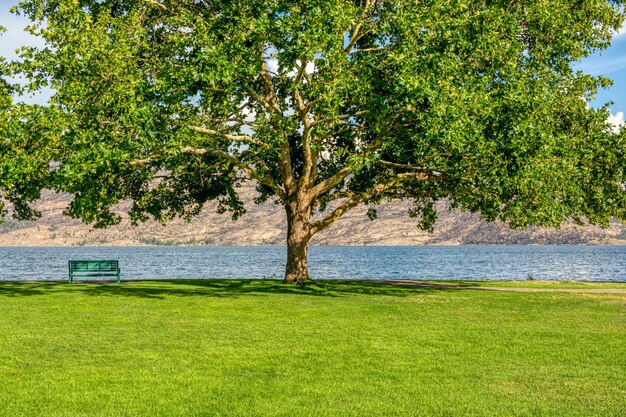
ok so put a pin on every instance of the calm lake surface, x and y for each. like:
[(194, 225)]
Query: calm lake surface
[(588, 263)]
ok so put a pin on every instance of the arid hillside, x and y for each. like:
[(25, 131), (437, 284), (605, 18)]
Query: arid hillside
[(264, 225)]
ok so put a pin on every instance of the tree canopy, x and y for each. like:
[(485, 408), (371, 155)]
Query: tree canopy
[(325, 105), (24, 158)]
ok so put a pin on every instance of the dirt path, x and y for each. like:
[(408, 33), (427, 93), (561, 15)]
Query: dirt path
[(445, 286)]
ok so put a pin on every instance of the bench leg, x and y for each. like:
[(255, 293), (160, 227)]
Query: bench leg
[(70, 278), (118, 277)]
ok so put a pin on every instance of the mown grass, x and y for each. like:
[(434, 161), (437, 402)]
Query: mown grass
[(535, 284), (260, 348)]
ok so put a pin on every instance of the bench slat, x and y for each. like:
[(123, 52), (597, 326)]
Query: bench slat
[(85, 268)]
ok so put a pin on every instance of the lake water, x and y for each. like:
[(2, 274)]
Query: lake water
[(589, 263)]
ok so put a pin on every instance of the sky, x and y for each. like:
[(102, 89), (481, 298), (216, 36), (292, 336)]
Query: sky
[(610, 62)]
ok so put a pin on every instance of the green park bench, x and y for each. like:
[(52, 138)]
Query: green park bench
[(94, 269)]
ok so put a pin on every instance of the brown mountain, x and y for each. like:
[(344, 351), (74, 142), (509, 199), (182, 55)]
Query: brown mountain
[(265, 225)]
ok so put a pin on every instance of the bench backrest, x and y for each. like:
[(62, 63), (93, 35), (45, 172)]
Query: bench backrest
[(93, 266)]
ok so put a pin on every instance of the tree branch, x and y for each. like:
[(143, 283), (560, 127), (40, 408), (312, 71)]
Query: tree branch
[(301, 71), (327, 198), (339, 118), (285, 153), (262, 101), (349, 204), (233, 138), (357, 199), (364, 50), (241, 165), (340, 175), (251, 171), (356, 32), (309, 160), (271, 96), (156, 3), (404, 166)]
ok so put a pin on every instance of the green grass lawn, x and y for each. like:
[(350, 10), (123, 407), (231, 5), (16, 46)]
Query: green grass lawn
[(259, 348), (555, 285)]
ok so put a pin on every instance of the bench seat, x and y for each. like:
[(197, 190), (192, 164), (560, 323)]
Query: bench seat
[(93, 268)]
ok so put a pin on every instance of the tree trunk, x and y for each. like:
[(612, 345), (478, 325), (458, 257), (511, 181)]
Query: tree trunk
[(298, 238)]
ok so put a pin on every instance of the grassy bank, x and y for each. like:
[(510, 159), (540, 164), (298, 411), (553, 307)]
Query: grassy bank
[(203, 348)]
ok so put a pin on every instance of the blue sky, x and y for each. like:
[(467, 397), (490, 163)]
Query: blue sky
[(610, 62), (15, 36)]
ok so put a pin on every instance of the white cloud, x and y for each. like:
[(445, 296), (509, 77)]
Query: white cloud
[(616, 120)]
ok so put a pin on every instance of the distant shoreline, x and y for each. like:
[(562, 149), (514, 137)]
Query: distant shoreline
[(620, 243)]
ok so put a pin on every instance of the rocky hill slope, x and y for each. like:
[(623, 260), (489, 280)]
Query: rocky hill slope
[(264, 225)]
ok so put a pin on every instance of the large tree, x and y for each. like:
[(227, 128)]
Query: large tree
[(325, 105)]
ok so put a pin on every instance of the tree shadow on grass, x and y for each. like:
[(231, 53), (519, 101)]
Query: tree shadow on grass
[(211, 288), (26, 288)]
